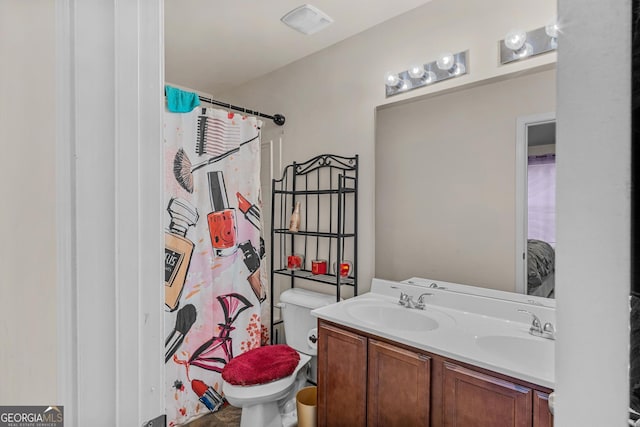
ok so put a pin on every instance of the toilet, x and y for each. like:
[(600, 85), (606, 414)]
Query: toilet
[(263, 404)]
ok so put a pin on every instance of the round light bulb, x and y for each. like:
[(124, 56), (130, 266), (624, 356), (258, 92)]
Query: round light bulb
[(459, 69), (391, 79), (416, 71), (445, 61), (552, 29), (515, 39), (525, 51), (431, 77)]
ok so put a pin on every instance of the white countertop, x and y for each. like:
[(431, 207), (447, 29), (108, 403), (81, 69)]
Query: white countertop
[(487, 332)]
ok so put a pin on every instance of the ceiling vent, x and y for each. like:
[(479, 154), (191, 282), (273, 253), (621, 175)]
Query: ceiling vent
[(307, 19)]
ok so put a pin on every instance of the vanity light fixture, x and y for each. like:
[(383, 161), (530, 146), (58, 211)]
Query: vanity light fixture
[(447, 66), (520, 44)]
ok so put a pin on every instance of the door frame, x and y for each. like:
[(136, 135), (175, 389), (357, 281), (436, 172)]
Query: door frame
[(522, 126), (109, 211)]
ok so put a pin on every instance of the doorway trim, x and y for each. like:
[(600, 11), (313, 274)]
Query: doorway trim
[(522, 126), (109, 188)]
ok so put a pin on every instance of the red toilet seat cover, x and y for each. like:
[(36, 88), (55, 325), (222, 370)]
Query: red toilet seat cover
[(261, 365)]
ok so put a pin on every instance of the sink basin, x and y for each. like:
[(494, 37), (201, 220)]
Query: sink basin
[(531, 351), (393, 317)]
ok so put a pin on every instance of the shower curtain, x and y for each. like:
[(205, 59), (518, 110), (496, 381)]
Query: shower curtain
[(215, 280)]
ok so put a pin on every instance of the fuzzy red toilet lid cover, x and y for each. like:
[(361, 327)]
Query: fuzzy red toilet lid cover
[(261, 365)]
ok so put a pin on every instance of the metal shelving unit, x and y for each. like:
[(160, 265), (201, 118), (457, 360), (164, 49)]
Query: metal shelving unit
[(327, 188)]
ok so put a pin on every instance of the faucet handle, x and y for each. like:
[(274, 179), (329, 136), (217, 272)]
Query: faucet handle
[(404, 298), (549, 329), (535, 321), (421, 297)]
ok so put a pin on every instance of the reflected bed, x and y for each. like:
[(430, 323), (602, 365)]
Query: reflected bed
[(540, 269)]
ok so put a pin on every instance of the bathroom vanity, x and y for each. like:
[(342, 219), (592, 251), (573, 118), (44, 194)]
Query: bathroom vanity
[(463, 360)]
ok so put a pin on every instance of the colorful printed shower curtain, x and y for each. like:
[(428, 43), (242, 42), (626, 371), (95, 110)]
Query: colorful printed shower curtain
[(215, 280)]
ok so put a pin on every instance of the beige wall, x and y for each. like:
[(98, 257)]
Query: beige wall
[(445, 182), (27, 190), (329, 98)]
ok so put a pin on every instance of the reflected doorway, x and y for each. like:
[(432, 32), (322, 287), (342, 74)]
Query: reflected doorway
[(535, 205)]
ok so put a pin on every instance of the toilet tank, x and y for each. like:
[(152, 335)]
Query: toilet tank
[(296, 305)]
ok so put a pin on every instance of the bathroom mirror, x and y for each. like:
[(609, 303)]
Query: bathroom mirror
[(447, 202)]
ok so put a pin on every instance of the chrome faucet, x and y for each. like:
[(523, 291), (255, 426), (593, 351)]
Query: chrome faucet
[(420, 304), (546, 331), (407, 301)]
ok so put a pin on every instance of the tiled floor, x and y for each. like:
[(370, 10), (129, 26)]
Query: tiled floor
[(228, 416)]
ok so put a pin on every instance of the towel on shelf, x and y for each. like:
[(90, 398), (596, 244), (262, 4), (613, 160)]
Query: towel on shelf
[(180, 101)]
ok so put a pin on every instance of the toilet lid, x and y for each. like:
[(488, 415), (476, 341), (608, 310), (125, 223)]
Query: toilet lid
[(261, 365)]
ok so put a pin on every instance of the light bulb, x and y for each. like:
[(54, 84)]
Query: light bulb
[(391, 79), (431, 77), (515, 39), (552, 29), (416, 71), (459, 69), (524, 51), (445, 61)]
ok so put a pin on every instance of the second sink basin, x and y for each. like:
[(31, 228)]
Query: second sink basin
[(393, 317), (533, 351)]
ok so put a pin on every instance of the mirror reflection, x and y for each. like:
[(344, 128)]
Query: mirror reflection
[(451, 201), (538, 195)]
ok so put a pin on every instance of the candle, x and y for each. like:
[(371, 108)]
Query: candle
[(294, 262), (319, 266), (343, 269)]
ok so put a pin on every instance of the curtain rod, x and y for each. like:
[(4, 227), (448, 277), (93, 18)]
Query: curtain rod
[(278, 119)]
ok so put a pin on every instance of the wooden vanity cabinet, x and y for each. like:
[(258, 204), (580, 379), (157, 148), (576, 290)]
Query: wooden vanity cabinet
[(474, 398), (342, 378), (542, 416), (398, 386), (367, 381)]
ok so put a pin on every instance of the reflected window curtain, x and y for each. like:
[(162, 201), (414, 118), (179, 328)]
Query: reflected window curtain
[(215, 286), (541, 190)]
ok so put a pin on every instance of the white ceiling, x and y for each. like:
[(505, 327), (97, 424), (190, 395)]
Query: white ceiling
[(213, 46)]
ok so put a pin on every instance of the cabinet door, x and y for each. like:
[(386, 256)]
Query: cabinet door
[(342, 378), (398, 388), (542, 417), (476, 399)]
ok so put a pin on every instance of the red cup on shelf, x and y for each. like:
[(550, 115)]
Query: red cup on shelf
[(319, 266), (344, 268), (295, 262)]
